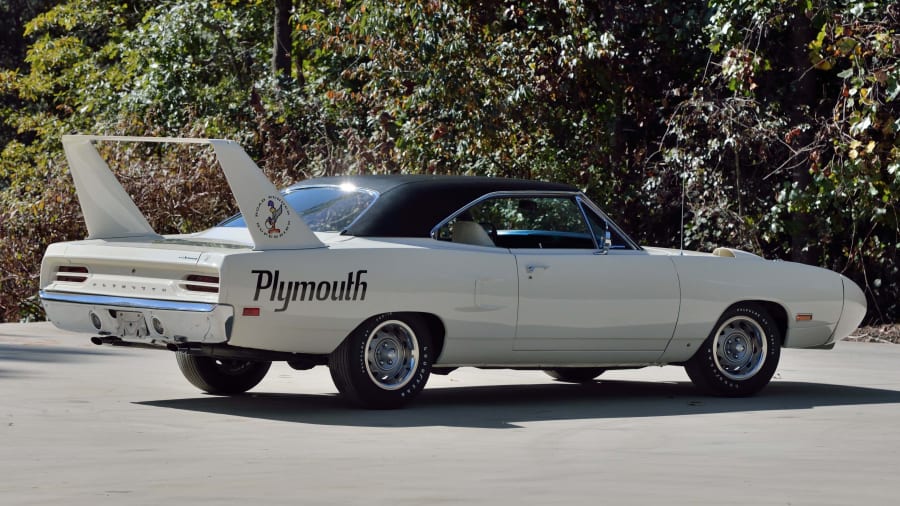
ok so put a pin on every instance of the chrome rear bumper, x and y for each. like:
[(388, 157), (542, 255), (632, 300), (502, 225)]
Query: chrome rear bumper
[(148, 321)]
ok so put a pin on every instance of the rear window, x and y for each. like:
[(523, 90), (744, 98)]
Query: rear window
[(323, 208)]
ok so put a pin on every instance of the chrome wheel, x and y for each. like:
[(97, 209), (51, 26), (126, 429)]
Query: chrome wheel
[(392, 355), (740, 346)]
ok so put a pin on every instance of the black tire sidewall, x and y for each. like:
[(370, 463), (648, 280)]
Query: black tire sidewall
[(367, 392), (205, 374), (704, 373)]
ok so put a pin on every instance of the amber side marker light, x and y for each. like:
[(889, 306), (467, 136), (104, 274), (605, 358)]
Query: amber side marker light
[(75, 274), (804, 317)]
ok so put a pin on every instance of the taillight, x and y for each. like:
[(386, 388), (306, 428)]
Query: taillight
[(200, 283), (71, 273)]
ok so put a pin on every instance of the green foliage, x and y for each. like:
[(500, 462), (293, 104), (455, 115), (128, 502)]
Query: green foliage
[(13, 16), (194, 59), (546, 90), (779, 119)]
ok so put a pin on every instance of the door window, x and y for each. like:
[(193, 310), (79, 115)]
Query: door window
[(522, 222)]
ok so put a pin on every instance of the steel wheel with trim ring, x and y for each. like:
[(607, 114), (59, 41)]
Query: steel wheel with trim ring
[(221, 376), (384, 363), (740, 356)]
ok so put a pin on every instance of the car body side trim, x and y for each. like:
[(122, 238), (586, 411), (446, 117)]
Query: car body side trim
[(132, 302)]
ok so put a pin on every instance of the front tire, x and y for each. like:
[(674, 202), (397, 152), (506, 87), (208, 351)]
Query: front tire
[(221, 376), (575, 374), (740, 356), (384, 363)]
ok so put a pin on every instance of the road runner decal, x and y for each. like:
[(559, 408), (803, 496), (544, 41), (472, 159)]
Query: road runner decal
[(268, 217), (268, 285)]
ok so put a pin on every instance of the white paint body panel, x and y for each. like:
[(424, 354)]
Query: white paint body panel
[(397, 278), (709, 285), (623, 305)]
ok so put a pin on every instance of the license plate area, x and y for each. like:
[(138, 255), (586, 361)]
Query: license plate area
[(131, 324)]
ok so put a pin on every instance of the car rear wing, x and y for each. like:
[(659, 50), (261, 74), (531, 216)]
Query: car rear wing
[(110, 213)]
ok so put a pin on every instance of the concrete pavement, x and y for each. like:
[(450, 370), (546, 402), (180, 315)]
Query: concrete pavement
[(81, 424)]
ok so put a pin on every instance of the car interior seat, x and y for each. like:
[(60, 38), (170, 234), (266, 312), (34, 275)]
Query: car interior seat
[(469, 232)]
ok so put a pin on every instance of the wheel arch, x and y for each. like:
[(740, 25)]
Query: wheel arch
[(385, 371), (435, 325), (775, 310), (743, 361)]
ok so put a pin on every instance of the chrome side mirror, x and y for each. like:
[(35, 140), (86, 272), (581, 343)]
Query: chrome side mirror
[(605, 244)]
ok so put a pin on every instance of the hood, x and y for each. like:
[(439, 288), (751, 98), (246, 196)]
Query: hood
[(719, 252)]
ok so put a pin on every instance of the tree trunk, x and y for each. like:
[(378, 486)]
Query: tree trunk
[(281, 48), (803, 243)]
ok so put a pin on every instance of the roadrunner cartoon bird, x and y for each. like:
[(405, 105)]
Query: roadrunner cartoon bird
[(272, 221)]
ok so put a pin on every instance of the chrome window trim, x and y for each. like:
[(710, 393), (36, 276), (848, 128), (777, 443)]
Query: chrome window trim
[(579, 202), (127, 302)]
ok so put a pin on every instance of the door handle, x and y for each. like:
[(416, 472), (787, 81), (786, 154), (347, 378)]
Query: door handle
[(531, 268)]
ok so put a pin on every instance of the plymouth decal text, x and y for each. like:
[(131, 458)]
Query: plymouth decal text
[(271, 288)]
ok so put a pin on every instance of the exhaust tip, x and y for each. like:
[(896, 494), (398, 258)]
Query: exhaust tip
[(95, 320), (157, 325), (97, 340)]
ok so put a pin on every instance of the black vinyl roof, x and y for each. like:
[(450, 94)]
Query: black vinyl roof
[(411, 205)]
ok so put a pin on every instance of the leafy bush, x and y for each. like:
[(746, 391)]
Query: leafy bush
[(790, 148), (779, 121)]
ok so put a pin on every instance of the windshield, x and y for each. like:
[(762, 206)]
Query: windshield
[(323, 208)]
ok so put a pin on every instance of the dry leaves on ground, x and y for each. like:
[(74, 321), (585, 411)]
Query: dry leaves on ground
[(877, 334)]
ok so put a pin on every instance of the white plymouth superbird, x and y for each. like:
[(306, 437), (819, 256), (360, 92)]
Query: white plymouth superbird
[(386, 279)]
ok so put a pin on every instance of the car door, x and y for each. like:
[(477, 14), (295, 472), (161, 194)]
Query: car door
[(574, 300), (574, 295)]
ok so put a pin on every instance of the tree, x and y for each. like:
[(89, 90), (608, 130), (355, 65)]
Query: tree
[(790, 146), (281, 48), (779, 122)]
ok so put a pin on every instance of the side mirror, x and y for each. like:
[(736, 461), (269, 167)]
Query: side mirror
[(605, 243)]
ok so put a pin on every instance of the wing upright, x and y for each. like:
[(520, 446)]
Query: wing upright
[(110, 213)]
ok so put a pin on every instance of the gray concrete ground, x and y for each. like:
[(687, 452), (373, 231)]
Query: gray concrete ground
[(81, 424)]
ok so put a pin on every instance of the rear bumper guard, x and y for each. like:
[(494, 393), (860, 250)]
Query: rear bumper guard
[(146, 321)]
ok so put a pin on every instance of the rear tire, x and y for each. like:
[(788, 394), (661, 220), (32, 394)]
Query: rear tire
[(575, 374), (384, 363), (740, 355), (221, 376)]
